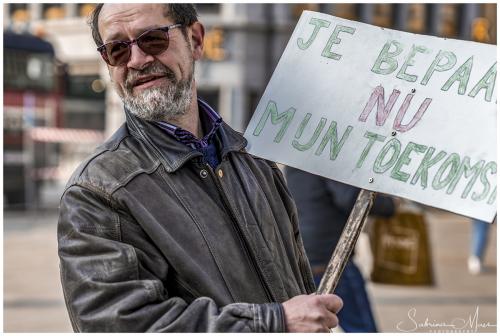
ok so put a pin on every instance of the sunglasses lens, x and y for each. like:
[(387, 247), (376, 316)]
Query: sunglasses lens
[(153, 42), (116, 53)]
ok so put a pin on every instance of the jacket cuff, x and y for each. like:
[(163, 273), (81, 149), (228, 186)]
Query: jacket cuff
[(269, 317)]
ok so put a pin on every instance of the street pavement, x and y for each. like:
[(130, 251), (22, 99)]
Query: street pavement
[(458, 301), (33, 299)]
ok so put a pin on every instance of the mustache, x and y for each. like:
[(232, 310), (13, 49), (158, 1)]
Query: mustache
[(153, 69)]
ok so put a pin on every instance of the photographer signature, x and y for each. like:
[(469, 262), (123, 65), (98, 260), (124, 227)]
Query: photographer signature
[(472, 323)]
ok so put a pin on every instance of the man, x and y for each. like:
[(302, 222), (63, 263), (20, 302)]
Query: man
[(171, 225), (324, 206)]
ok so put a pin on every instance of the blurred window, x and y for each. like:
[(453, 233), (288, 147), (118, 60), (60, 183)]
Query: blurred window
[(297, 9), (19, 12), (346, 11), (416, 18), (13, 7), (90, 86), (89, 119), (208, 8), (25, 70), (489, 12), (84, 9), (53, 11), (480, 30), (253, 101), (383, 15), (450, 18), (211, 96), (214, 45)]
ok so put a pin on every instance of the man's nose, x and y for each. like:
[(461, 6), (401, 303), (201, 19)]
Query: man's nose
[(138, 58)]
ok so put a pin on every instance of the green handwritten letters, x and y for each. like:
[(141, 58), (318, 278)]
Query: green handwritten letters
[(387, 62), (440, 171)]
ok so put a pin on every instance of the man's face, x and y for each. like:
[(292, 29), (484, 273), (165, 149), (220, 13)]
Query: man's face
[(158, 87)]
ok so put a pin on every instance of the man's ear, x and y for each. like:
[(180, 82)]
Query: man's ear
[(197, 37)]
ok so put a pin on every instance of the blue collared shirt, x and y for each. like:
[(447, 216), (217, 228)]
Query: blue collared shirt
[(211, 122)]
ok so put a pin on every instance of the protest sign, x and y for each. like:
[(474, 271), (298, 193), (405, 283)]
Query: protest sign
[(399, 113)]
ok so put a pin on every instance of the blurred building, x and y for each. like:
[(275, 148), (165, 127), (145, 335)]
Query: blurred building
[(243, 45)]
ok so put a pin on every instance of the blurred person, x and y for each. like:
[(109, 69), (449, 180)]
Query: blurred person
[(171, 225), (479, 241), (324, 206)]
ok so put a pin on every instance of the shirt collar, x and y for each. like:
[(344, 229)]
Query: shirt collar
[(212, 120)]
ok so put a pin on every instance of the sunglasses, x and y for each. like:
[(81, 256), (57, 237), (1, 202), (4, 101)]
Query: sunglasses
[(152, 42)]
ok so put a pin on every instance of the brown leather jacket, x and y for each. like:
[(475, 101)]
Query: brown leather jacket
[(152, 239)]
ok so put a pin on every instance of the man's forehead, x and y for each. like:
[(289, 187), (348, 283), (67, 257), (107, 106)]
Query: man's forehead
[(111, 9), (114, 15)]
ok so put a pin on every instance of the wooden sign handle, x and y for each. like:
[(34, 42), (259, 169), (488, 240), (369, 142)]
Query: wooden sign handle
[(347, 242)]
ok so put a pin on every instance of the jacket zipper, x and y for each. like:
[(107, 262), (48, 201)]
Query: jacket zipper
[(251, 256)]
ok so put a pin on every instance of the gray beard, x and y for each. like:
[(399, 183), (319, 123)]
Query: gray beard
[(162, 103)]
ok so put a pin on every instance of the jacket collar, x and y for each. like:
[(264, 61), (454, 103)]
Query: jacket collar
[(171, 152)]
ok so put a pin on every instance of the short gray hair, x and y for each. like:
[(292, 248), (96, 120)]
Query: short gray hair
[(184, 14)]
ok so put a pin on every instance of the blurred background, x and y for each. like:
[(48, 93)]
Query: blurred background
[(59, 105)]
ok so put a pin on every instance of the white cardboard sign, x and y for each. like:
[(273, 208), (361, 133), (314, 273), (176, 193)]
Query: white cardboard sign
[(399, 113)]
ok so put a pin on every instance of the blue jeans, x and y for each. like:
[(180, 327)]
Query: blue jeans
[(479, 238), (356, 315)]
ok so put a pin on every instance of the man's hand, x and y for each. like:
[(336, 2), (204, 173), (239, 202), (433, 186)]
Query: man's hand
[(312, 313)]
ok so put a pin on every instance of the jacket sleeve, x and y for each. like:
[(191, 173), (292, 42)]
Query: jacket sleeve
[(105, 291)]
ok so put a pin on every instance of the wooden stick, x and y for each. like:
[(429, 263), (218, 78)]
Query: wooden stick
[(347, 242)]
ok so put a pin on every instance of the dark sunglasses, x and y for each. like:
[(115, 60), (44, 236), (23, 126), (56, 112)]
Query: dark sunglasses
[(152, 42)]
